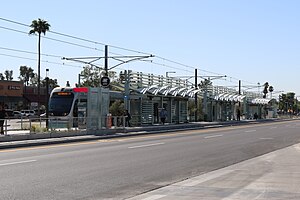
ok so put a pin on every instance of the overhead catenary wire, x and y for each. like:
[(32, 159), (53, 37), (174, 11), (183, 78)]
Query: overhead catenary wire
[(29, 52), (112, 46), (44, 61)]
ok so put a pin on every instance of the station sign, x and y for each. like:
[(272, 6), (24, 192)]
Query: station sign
[(105, 81)]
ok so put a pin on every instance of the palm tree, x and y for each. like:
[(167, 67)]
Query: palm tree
[(39, 26), (265, 91), (8, 75), (26, 73)]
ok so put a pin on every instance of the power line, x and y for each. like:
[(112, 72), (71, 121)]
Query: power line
[(95, 42), (75, 37), (113, 46), (14, 22), (82, 39), (57, 40), (45, 61), (74, 44), (11, 29), (171, 67), (29, 52)]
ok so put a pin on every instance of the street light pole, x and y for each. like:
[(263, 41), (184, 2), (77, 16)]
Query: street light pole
[(79, 76), (106, 60), (196, 96), (47, 98)]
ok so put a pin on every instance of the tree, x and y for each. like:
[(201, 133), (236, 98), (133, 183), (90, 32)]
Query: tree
[(204, 85), (117, 108), (271, 89), (287, 102), (206, 82), (52, 83), (8, 75), (91, 75), (265, 91), (2, 77), (33, 81), (39, 26), (26, 73)]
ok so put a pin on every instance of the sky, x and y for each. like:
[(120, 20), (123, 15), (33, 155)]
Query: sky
[(255, 41)]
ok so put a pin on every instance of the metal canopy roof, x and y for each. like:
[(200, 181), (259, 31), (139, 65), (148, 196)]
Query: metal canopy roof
[(170, 90), (261, 101), (230, 97)]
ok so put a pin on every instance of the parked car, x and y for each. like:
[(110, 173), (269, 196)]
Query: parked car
[(28, 113), (17, 114)]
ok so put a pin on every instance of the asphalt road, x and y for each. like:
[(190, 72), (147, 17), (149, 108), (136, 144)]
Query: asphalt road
[(124, 167)]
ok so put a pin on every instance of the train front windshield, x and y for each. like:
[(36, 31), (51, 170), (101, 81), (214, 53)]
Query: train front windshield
[(60, 103)]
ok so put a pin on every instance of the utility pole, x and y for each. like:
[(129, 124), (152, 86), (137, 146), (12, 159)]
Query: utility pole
[(240, 85), (47, 99), (106, 60), (127, 90), (79, 77), (196, 96)]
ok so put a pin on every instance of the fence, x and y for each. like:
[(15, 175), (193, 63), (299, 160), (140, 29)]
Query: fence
[(38, 125)]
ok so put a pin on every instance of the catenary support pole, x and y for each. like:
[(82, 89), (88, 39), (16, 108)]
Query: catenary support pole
[(196, 97), (106, 60)]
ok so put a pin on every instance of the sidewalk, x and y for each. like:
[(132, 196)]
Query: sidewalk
[(273, 176)]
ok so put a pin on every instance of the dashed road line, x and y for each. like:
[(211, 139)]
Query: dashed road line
[(18, 162), (212, 136), (146, 145), (250, 131)]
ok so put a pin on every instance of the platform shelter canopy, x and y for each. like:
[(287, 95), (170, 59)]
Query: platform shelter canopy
[(229, 97), (170, 90), (261, 101), (172, 86)]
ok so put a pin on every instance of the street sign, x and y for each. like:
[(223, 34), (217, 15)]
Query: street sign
[(105, 81)]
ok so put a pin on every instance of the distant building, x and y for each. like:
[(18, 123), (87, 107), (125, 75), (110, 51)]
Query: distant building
[(15, 95), (30, 97), (11, 93)]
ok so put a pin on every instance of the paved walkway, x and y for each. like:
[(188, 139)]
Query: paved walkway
[(273, 176)]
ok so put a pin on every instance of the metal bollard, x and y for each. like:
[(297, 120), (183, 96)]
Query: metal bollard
[(30, 126), (5, 129)]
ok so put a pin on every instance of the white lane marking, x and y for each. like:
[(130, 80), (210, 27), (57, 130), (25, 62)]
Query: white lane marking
[(250, 131), (213, 126), (154, 197), (146, 145), (19, 162), (266, 138), (212, 136)]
